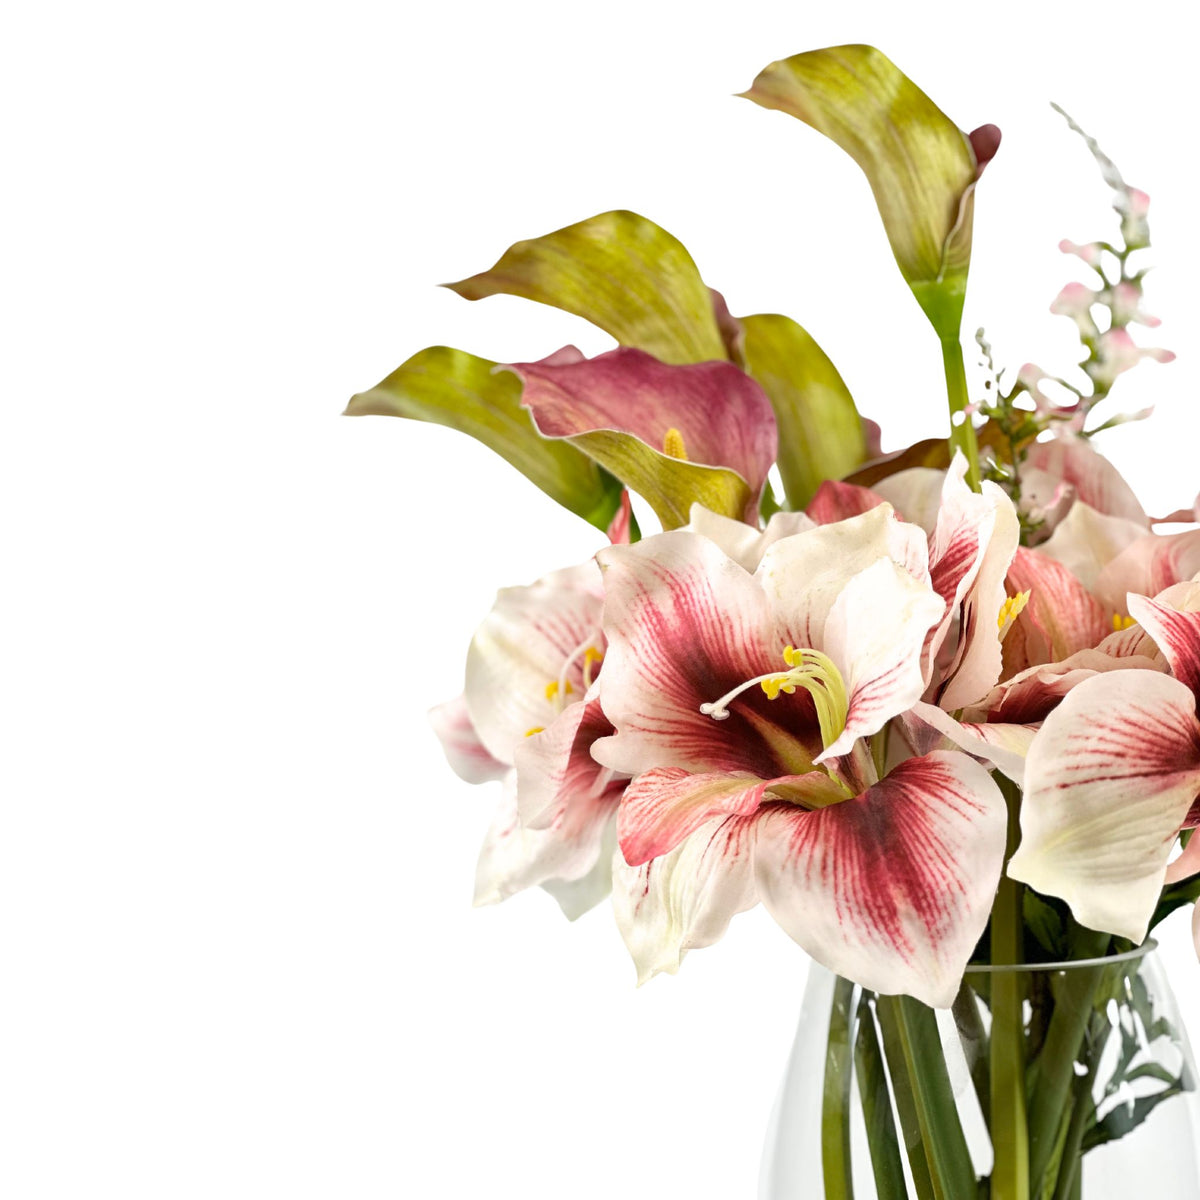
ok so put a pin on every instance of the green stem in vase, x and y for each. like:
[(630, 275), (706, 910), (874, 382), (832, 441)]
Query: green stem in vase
[(887, 1009), (962, 432), (835, 1106), (1083, 1110), (871, 1073), (1009, 1126), (950, 1169), (1055, 1066)]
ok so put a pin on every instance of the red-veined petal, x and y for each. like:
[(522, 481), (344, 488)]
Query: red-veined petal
[(665, 805), (1108, 782), (892, 888), (1175, 630), (685, 899)]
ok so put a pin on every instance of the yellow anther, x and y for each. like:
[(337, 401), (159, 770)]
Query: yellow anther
[(776, 684), (673, 446), (535, 729), (591, 655), (792, 656), (1120, 622), (552, 689), (1011, 609)]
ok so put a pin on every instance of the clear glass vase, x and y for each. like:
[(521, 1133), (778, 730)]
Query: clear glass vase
[(1064, 1081)]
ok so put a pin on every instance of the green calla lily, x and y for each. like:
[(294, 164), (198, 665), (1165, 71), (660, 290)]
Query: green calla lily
[(623, 273), (456, 389), (921, 167), (820, 432)]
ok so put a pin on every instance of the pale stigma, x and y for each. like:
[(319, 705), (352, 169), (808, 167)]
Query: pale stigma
[(810, 669)]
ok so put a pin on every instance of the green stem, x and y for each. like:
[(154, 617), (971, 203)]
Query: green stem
[(887, 1010), (1009, 1125), (835, 1107), (1073, 1006), (949, 1159), (1083, 1110), (962, 435), (877, 1108)]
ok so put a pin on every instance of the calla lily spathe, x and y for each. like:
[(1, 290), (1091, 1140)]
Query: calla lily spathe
[(737, 797)]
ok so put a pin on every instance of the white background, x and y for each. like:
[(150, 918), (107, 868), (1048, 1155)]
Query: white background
[(238, 952)]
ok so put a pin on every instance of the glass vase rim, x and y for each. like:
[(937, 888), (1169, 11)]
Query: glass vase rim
[(1070, 964)]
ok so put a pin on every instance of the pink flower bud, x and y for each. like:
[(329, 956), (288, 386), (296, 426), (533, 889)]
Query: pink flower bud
[(1090, 252)]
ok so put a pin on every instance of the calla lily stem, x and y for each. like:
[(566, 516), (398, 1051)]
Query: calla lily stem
[(962, 432)]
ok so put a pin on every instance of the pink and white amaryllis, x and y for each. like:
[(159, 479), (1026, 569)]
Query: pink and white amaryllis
[(1112, 777), (753, 711), (528, 716)]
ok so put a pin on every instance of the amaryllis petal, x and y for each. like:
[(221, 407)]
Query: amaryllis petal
[(1150, 565), (892, 888), (528, 656), (875, 634), (916, 494), (803, 576), (663, 806), (1087, 540), (620, 271), (1094, 479), (578, 896), (1176, 630), (686, 899), (835, 501), (1187, 864), (970, 551), (555, 767), (676, 434), (685, 624), (745, 544), (1003, 744), (467, 755), (1061, 613), (450, 387), (821, 435), (514, 857), (1109, 780)]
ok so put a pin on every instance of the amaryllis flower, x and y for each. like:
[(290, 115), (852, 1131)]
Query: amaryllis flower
[(1113, 775), (529, 715), (746, 706)]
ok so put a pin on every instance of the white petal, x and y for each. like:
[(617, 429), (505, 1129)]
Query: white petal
[(875, 633), (892, 888), (522, 646), (1187, 864), (1086, 541), (685, 899), (466, 754), (1003, 744), (803, 575), (744, 543), (1109, 780), (916, 494), (514, 858)]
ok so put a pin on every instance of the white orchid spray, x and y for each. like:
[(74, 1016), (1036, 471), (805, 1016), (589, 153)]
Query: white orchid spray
[(932, 709)]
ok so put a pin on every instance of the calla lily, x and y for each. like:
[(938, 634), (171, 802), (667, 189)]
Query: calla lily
[(676, 434), (1113, 776), (921, 167), (739, 796), (529, 715), (459, 390)]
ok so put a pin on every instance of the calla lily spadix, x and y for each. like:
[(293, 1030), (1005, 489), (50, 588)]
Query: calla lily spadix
[(744, 707)]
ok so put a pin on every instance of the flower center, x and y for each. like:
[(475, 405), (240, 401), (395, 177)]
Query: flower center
[(1119, 622), (673, 446), (1010, 610), (808, 669)]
